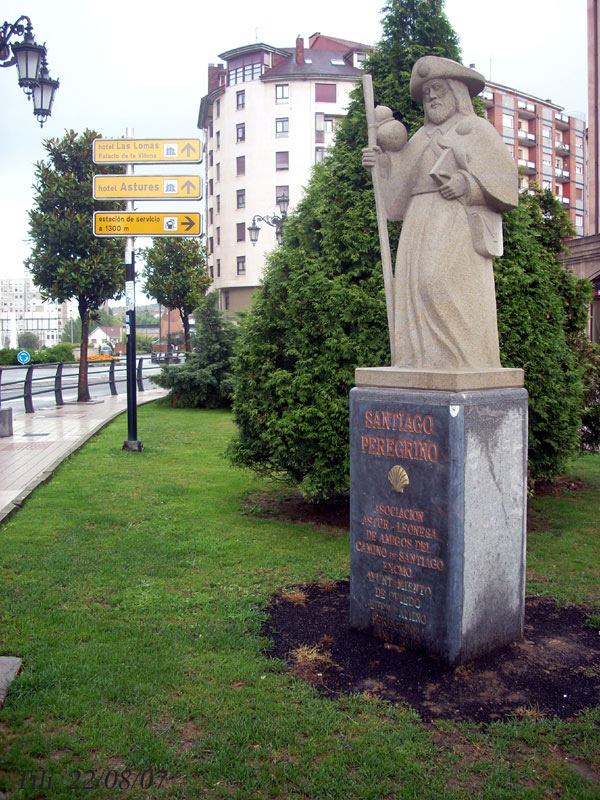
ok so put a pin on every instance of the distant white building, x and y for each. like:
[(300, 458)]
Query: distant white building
[(22, 309), (270, 114)]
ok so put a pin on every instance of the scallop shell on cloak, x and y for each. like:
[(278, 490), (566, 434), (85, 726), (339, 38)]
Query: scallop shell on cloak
[(398, 478)]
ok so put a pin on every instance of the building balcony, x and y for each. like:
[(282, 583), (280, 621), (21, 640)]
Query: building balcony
[(562, 147), (526, 138), (564, 201), (562, 175), (488, 96), (562, 121), (528, 166), (526, 109)]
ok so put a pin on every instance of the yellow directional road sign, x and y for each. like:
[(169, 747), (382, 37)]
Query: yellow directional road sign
[(135, 223), (147, 151), (146, 187)]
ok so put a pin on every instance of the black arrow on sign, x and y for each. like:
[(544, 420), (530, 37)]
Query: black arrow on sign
[(188, 223), (189, 186), (189, 148)]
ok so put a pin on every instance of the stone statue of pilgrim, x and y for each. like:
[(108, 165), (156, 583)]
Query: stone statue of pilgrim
[(449, 185)]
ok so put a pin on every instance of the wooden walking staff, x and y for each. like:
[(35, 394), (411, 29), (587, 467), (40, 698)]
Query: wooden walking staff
[(384, 239)]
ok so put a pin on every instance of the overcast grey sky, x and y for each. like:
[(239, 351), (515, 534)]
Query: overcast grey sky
[(143, 65)]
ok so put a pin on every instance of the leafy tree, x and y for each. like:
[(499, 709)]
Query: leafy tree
[(145, 317), (143, 344), (67, 260), (205, 380), (542, 309), (72, 331), (28, 340), (105, 317), (175, 275), (321, 309)]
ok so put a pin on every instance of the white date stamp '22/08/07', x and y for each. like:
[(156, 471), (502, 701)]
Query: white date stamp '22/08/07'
[(109, 778)]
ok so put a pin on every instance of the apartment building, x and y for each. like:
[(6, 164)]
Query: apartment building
[(547, 144), (270, 114), (22, 309)]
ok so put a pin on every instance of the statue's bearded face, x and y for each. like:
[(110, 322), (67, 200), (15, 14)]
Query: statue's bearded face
[(438, 101)]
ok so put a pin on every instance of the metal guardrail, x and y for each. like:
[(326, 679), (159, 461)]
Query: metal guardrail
[(62, 378)]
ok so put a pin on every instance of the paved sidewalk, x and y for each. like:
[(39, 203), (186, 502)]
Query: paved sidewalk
[(41, 441)]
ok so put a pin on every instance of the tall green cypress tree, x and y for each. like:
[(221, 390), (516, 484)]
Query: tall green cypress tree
[(321, 309)]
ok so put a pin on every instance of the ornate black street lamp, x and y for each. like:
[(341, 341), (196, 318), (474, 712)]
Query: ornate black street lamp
[(274, 221), (32, 67)]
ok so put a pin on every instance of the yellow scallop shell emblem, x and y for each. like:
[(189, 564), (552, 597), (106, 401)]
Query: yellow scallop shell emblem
[(398, 478)]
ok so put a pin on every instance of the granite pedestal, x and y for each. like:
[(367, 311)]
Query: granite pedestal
[(6, 422), (438, 517)]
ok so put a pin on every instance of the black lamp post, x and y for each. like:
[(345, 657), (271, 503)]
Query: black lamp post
[(274, 221), (32, 67)]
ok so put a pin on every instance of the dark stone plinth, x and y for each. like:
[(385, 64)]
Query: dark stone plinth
[(437, 517), (6, 422)]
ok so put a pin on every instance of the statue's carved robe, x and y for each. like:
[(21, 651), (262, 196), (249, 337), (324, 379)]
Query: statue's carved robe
[(444, 295)]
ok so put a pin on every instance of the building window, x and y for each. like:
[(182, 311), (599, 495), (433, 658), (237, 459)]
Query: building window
[(547, 132), (282, 126), (218, 104), (210, 128), (218, 172), (211, 245), (218, 267), (210, 186), (579, 220), (282, 160), (319, 154), (218, 139), (248, 72), (210, 158), (508, 121), (547, 185), (281, 191), (325, 92), (578, 169), (241, 265), (328, 125), (241, 198), (240, 165), (578, 193), (282, 92), (240, 99), (218, 204), (218, 236), (212, 272), (240, 132), (241, 231), (210, 216)]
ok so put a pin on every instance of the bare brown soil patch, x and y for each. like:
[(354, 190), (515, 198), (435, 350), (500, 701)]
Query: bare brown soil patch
[(554, 671)]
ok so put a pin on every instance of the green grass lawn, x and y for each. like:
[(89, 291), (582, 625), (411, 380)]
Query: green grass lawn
[(134, 588)]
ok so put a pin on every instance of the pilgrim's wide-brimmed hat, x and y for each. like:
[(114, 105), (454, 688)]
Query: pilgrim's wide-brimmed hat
[(429, 67)]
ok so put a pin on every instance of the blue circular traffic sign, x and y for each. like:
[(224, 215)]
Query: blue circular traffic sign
[(23, 357)]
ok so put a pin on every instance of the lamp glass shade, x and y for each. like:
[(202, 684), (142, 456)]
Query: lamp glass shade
[(28, 55), (279, 234), (284, 203), (253, 230), (43, 96)]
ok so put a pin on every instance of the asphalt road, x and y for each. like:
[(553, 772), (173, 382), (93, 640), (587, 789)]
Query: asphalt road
[(12, 382)]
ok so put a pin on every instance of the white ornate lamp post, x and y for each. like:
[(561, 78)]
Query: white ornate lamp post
[(32, 67), (274, 221)]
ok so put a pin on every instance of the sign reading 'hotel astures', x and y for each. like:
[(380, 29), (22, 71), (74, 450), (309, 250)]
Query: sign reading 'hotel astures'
[(147, 187), (135, 223), (147, 151)]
